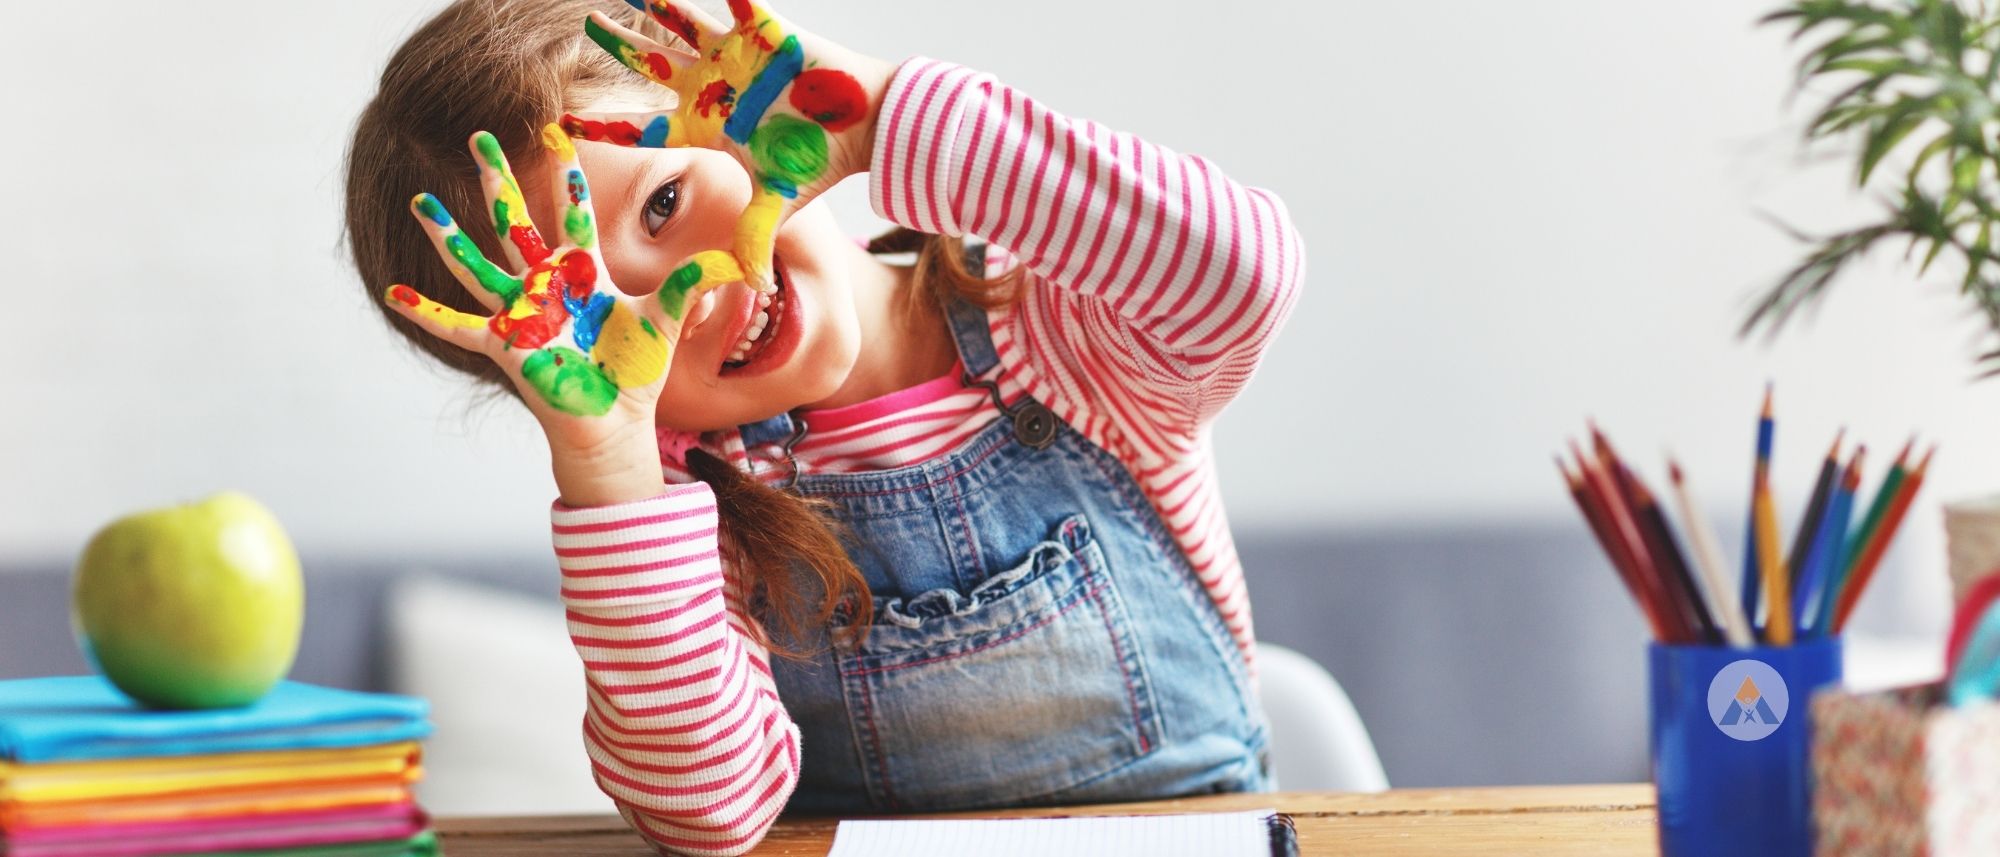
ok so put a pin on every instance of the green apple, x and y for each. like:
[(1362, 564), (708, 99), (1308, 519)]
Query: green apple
[(193, 606)]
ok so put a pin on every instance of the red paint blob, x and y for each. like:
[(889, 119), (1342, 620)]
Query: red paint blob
[(576, 272), (716, 96), (661, 69), (404, 294), (740, 10), (621, 133), (831, 97), (534, 331), (529, 242)]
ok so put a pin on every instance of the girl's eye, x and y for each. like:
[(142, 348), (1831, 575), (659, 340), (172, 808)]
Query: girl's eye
[(660, 207)]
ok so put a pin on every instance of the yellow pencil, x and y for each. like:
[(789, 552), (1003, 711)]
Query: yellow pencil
[(1770, 557)]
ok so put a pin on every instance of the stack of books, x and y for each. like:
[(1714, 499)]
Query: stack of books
[(86, 772)]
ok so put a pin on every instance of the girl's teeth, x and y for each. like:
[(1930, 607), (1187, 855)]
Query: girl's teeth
[(756, 329)]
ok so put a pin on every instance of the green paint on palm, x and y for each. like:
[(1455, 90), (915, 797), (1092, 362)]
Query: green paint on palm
[(674, 292), (789, 148), (569, 382)]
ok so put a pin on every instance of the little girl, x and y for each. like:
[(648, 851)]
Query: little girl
[(970, 503)]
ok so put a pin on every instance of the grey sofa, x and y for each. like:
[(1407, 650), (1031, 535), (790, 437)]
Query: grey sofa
[(1475, 655)]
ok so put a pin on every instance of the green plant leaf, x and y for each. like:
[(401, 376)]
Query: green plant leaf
[(1885, 133)]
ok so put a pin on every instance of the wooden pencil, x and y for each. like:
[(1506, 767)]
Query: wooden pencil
[(1671, 561), (1830, 555), (1857, 581), (1612, 548), (1604, 488), (1708, 559), (1885, 496), (1807, 538), (1764, 515)]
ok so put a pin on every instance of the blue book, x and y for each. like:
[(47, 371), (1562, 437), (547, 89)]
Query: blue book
[(77, 718)]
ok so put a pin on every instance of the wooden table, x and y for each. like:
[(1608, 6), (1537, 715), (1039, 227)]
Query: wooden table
[(1600, 821)]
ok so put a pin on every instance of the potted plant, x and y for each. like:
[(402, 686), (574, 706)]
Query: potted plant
[(1915, 93)]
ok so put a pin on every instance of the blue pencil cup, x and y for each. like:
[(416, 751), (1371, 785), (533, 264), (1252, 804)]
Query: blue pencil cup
[(1730, 750)]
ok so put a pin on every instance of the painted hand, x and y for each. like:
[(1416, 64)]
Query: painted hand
[(573, 343), (793, 109)]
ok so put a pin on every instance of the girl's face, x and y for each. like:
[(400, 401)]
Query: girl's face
[(656, 208)]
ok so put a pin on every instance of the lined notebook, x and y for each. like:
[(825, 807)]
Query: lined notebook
[(1250, 833)]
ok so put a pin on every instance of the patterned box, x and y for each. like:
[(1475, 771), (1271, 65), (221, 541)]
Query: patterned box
[(1900, 774)]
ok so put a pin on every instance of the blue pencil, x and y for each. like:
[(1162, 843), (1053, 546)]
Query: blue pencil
[(1830, 555)]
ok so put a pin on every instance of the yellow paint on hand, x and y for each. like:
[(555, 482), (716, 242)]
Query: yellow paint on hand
[(558, 143), (756, 234), (631, 350), (718, 268)]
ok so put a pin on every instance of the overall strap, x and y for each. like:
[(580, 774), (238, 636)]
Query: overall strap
[(969, 329), (1034, 424)]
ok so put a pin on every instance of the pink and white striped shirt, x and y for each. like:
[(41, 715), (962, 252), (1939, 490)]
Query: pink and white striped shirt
[(1155, 284)]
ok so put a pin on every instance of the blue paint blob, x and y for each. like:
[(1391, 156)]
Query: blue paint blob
[(579, 190), (776, 75), (429, 207), (655, 134), (783, 187), (590, 320)]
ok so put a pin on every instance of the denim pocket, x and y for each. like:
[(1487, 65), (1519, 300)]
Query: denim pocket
[(1028, 684)]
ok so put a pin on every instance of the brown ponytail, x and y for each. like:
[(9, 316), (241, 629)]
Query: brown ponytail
[(507, 66)]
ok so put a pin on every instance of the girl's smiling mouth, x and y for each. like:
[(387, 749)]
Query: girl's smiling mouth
[(768, 332)]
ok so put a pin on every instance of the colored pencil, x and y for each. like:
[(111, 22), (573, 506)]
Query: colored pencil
[(1753, 572), (1807, 538), (1830, 555), (1885, 496), (1672, 563), (1764, 517), (1708, 558), (1856, 580), (1611, 545), (1603, 473)]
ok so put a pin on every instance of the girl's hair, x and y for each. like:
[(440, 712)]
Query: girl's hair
[(509, 67)]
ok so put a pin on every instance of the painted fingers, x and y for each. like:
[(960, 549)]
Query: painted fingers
[(632, 130), (656, 62), (509, 211), (576, 346), (462, 329), (691, 24)]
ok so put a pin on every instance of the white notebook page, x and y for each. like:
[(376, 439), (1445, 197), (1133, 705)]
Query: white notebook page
[(1214, 834)]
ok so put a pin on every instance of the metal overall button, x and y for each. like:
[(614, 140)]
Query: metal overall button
[(1034, 424)]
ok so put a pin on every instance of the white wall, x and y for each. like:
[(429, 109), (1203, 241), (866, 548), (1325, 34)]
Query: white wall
[(1518, 214)]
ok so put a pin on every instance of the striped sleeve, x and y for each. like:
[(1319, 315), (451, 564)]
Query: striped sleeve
[(1156, 273), (682, 720)]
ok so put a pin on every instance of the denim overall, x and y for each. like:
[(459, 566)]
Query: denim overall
[(1038, 636)]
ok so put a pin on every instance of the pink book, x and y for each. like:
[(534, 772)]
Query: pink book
[(242, 833)]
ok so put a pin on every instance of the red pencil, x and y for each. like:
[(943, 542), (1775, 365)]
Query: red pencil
[(1618, 511), (1851, 588), (1620, 563), (1672, 564)]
